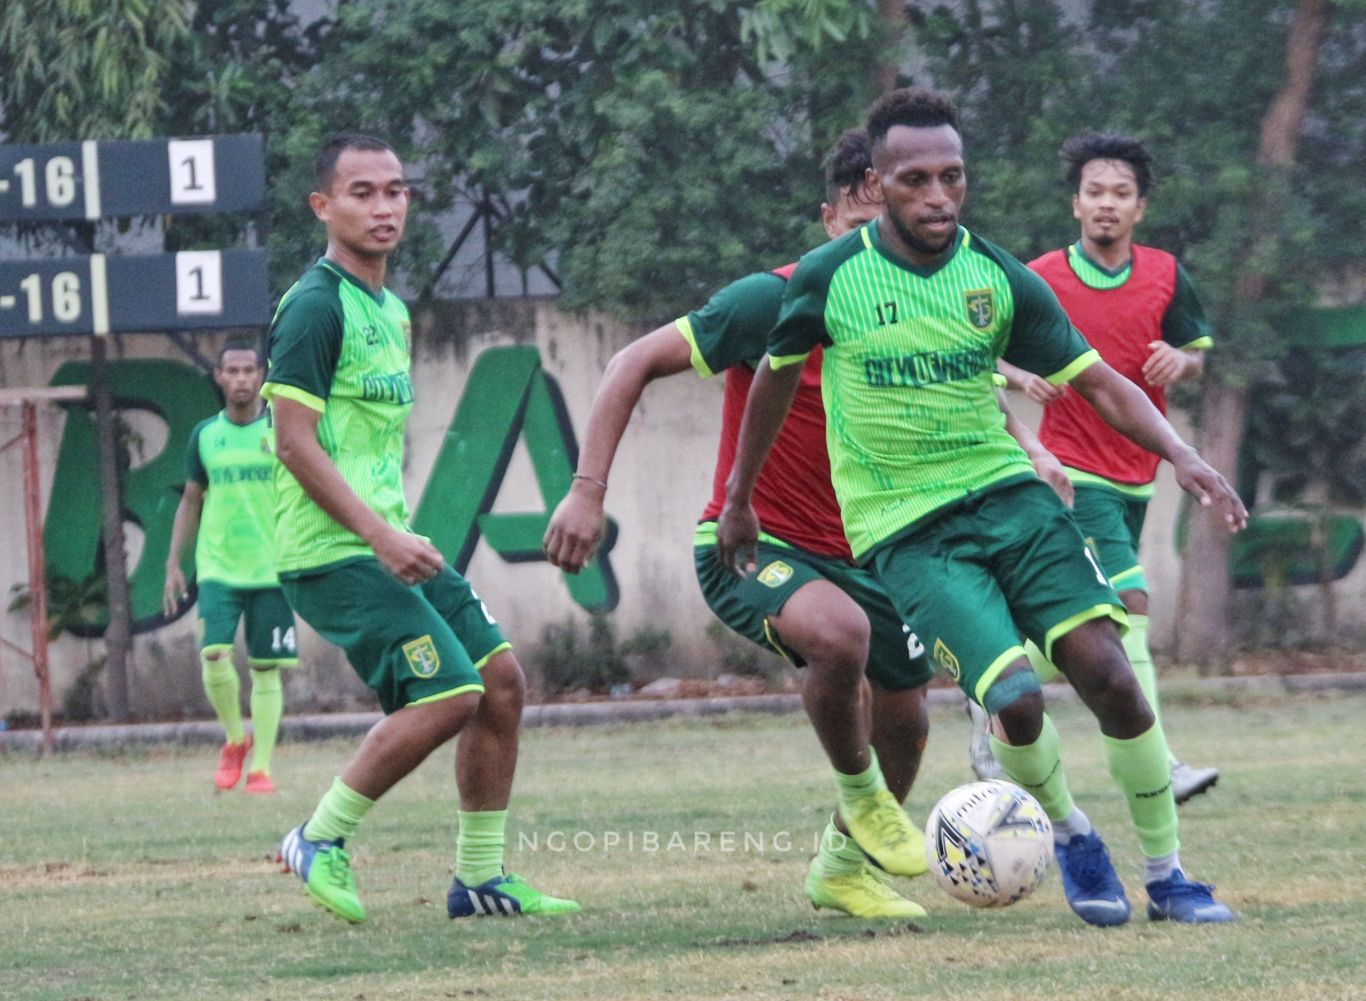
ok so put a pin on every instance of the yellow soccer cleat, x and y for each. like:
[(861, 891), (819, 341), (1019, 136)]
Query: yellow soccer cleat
[(861, 894), (879, 826)]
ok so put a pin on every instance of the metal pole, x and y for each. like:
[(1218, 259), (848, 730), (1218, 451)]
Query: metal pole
[(37, 569)]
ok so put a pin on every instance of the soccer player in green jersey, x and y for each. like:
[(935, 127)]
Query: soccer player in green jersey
[(227, 512), (413, 629), (865, 671), (1136, 306), (913, 311)]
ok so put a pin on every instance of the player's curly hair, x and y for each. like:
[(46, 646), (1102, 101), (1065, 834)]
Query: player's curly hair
[(1086, 146), (917, 107), (240, 344), (325, 163), (846, 165)]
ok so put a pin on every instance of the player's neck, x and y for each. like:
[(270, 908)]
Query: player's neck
[(243, 413), (1112, 256), (370, 270)]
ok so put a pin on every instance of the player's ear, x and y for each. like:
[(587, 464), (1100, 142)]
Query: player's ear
[(872, 182), (319, 202), (1142, 207), (1076, 206)]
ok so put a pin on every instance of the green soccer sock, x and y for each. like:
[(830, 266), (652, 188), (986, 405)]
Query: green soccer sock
[(855, 787), (267, 705), (1142, 768), (837, 854), (338, 814), (1136, 647), (479, 846), (224, 691), (1038, 768)]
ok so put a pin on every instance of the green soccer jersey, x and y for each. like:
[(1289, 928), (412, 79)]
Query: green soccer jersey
[(343, 351), (912, 421), (235, 464)]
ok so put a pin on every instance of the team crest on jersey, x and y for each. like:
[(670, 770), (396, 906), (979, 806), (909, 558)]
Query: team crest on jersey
[(371, 333), (981, 303), (422, 656), (947, 662), (265, 445), (776, 574)]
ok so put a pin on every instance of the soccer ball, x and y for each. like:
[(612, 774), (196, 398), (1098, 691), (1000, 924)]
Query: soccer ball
[(988, 843)]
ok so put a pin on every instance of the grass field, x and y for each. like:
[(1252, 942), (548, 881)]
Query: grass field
[(125, 877)]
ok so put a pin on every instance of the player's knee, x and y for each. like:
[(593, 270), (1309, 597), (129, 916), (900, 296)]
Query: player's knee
[(1016, 701), (213, 656), (504, 685)]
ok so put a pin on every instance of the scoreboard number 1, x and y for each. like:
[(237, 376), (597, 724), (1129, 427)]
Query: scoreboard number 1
[(198, 282), (193, 181)]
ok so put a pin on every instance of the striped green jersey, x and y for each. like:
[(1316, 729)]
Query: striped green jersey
[(343, 351), (235, 464), (912, 421)]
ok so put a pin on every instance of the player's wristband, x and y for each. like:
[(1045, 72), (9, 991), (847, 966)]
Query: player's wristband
[(591, 479)]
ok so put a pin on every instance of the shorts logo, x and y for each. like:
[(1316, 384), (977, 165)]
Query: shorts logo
[(422, 656), (947, 662), (776, 574), (981, 303)]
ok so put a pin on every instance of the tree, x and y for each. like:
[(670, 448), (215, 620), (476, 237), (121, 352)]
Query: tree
[(77, 69)]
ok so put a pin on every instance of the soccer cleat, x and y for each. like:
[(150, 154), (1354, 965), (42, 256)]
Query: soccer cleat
[(258, 783), (504, 896), (1188, 781), (861, 894), (880, 827), (1093, 890), (230, 763), (1176, 898), (325, 869), (984, 763)]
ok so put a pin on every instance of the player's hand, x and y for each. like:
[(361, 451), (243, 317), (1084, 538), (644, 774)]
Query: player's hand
[(174, 592), (1166, 365), (1039, 389), (410, 558), (576, 528), (1049, 469), (737, 535), (1208, 486)]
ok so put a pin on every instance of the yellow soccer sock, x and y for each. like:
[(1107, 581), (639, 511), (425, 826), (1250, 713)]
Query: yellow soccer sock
[(267, 706), (223, 690)]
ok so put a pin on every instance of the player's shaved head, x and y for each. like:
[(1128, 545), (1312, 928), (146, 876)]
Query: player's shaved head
[(325, 164), (914, 107), (1086, 146), (239, 344)]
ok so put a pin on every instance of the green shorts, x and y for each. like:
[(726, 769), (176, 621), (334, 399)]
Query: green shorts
[(1004, 564), (1112, 524), (270, 623), (896, 659), (408, 644)]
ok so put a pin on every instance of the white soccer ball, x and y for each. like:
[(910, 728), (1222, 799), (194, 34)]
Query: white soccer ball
[(988, 843)]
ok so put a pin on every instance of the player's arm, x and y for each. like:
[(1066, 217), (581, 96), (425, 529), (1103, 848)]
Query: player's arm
[(1046, 464), (1128, 410), (1038, 389), (184, 531), (576, 527), (410, 558), (770, 399), (1179, 355)]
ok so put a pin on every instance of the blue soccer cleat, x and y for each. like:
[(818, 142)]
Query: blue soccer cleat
[(503, 896), (1093, 890), (1176, 898), (325, 869)]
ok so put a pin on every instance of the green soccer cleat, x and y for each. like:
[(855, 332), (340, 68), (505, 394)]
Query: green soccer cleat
[(325, 869), (504, 896), (879, 826), (861, 894)]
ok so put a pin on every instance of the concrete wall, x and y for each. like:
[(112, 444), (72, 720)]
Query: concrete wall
[(661, 480)]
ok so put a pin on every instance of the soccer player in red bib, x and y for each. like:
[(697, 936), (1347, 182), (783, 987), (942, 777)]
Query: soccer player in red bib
[(1137, 307)]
